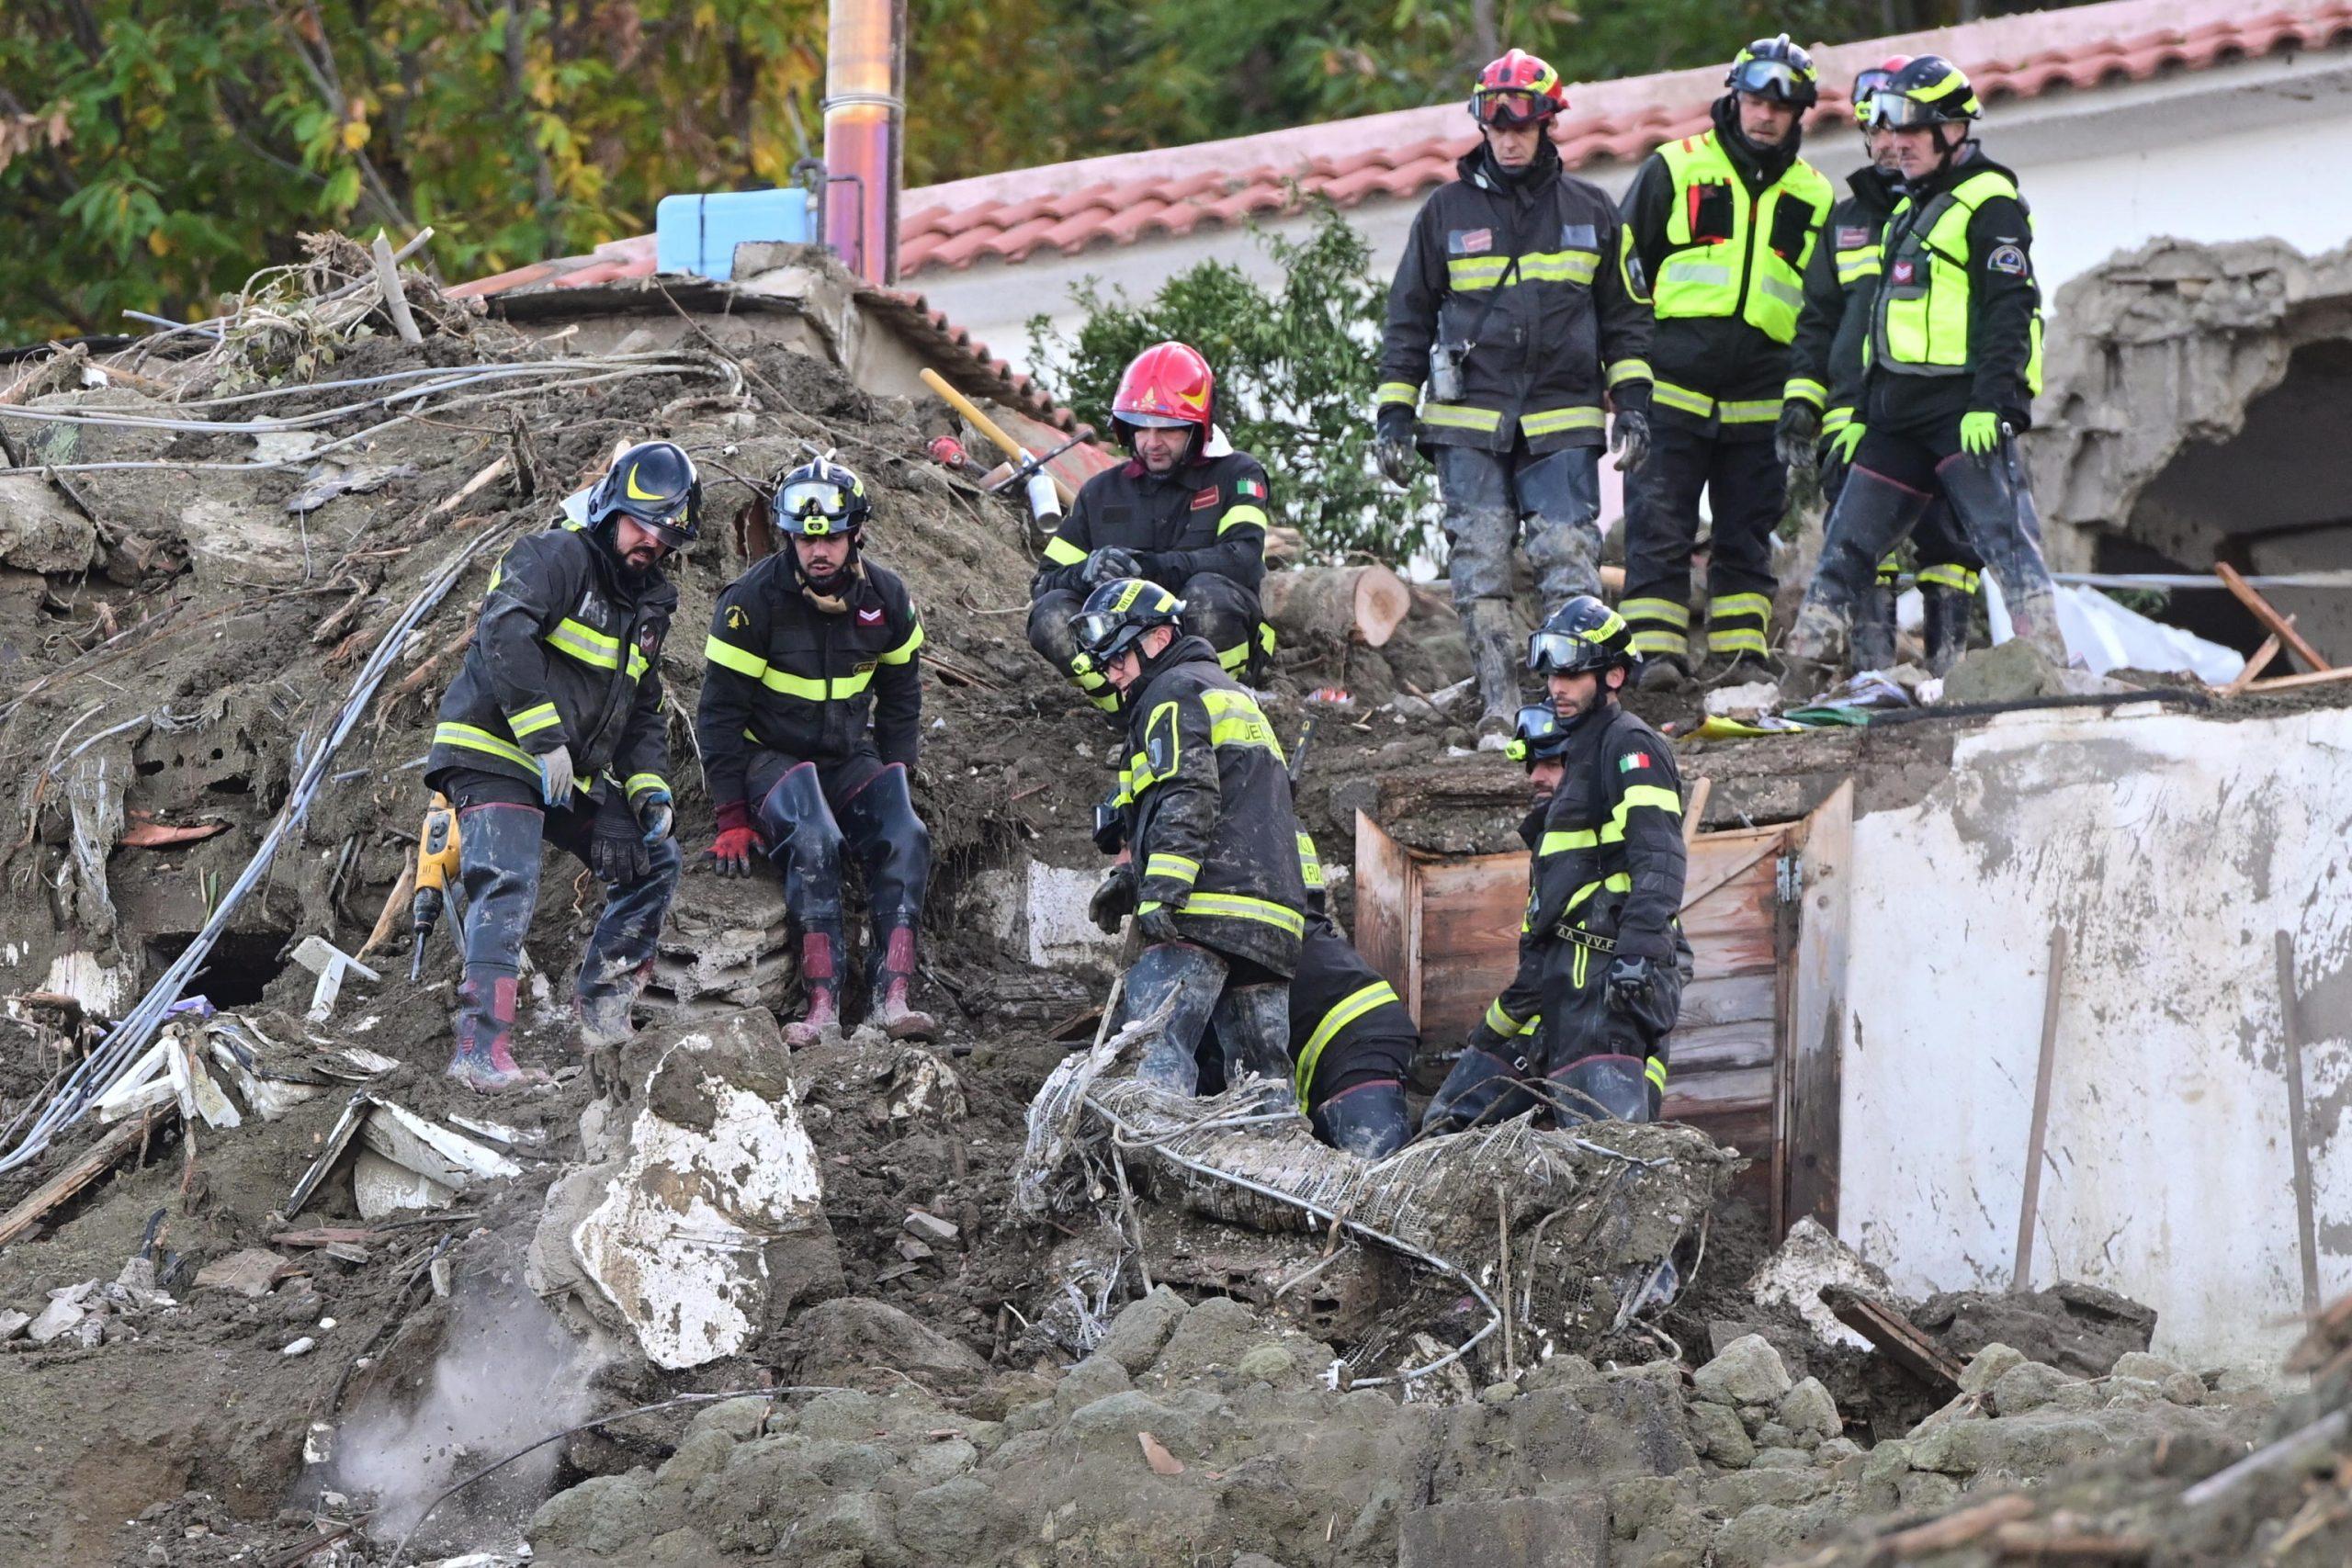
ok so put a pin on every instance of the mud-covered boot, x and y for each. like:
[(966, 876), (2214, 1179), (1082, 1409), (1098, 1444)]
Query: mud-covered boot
[(1492, 631), (1616, 1088), (1663, 672), (821, 984), (1944, 613), (1873, 635), (1483, 1088), (893, 979), (1180, 983), (1368, 1121), (484, 1060), (1996, 511), (603, 1008), (1252, 1025)]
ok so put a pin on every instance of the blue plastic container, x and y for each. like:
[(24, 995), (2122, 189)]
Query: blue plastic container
[(699, 233)]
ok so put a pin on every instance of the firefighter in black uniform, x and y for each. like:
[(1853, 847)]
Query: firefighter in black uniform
[(1602, 956), (553, 731), (1954, 360), (1513, 313), (1819, 423), (1187, 513), (1213, 879), (811, 706), (1351, 1041), (1724, 222)]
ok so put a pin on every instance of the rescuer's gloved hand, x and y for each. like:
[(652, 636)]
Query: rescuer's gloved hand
[(1115, 899), (1392, 445), (654, 813), (1980, 432), (1629, 984), (1795, 436), (1157, 924), (617, 849), (556, 778), (1630, 439), (1842, 444), (1109, 564)]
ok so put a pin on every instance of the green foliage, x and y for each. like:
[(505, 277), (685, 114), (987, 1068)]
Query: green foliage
[(1296, 367)]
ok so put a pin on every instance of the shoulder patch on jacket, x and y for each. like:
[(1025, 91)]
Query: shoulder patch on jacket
[(1254, 488), (1470, 242), (1579, 237), (737, 617), (1205, 498), (1632, 761), (870, 615), (2007, 258), (1852, 239)]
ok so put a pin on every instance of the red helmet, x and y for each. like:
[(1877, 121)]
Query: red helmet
[(1518, 89), (1167, 386), (1870, 80)]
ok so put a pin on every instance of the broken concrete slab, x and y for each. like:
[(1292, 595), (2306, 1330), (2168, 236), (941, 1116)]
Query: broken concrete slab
[(57, 1319), (1507, 1532), (40, 529), (1808, 1258), (1747, 1372), (249, 1272)]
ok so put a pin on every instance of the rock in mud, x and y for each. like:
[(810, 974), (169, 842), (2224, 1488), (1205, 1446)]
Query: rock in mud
[(1747, 1372)]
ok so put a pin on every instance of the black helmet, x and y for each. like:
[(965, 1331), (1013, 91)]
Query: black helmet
[(1929, 90), (1537, 734), (819, 499), (1775, 68), (654, 484), (1118, 613), (1583, 633)]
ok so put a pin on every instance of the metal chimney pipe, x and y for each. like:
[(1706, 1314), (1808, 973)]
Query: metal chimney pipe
[(865, 74)]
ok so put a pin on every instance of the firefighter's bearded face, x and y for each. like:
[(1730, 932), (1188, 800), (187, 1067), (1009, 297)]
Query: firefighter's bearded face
[(822, 558), (1572, 696), (1544, 780), (1127, 668), (1160, 449), (1918, 150), (1766, 121), (1513, 146), (637, 548), (1879, 142)]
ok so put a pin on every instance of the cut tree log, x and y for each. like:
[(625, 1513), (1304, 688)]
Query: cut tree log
[(1331, 603)]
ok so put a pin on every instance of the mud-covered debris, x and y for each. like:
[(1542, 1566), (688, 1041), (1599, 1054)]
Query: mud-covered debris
[(1808, 1258), (249, 1271)]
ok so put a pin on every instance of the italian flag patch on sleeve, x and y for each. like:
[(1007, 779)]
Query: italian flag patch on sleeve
[(1252, 488), (1632, 761)]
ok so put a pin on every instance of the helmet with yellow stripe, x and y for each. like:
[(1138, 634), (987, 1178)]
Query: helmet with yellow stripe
[(1115, 616), (1583, 633), (820, 498), (1776, 68), (655, 485), (1929, 90)]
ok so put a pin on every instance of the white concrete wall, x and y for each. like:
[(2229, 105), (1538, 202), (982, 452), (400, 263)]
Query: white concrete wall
[(2172, 847)]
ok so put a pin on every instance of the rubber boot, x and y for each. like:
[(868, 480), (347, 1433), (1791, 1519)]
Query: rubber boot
[(604, 1015), (619, 959), (1945, 611), (820, 989), (1663, 672), (484, 1060), (1995, 509), (1614, 1089), (1482, 1088), (1368, 1121), (1874, 626), (1252, 1025), (893, 978), (1187, 980), (1492, 632), (1872, 516)]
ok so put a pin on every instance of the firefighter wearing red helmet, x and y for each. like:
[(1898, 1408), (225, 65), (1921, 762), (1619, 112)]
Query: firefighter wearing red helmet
[(1186, 512), (1514, 317), (1820, 421)]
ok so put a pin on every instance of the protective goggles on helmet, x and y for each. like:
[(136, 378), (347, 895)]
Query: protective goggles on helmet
[(1513, 108), (1565, 653), (1772, 79), (1899, 111), (814, 508), (1155, 422), (1536, 735), (1865, 88), (1106, 634)]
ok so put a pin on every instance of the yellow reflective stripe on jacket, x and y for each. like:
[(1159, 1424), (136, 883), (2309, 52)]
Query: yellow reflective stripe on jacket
[(1672, 396), (637, 663), (1672, 611), (1761, 411), (1235, 720), (1737, 274), (1664, 799), (639, 782), (1395, 392), (1551, 422), (839, 689), (1461, 416), (1836, 419), (530, 721), (1855, 266), (726, 656), (1174, 867), (1310, 863), (905, 649), (1629, 370), (473, 739), (1561, 840), (1500, 1021), (1061, 552), (1804, 389), (1622, 882), (1241, 906), (1349, 1008), (1235, 516), (1467, 275), (1231, 660), (586, 643)]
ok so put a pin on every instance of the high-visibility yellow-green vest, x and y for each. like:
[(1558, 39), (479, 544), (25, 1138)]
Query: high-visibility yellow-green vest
[(1755, 272), (1921, 323)]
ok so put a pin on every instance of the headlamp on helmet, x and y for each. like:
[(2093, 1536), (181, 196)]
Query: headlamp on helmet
[(819, 500), (1537, 734)]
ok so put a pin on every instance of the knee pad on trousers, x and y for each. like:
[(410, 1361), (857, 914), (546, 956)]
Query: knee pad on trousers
[(1615, 1089), (1223, 613), (806, 842), (892, 843)]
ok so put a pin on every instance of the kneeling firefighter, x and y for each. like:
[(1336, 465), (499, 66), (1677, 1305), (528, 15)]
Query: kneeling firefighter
[(810, 713), (553, 731), (1214, 881), (1600, 944), (1351, 1041)]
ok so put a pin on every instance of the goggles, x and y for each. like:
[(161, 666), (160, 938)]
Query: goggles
[(1535, 734), (1772, 79), (1512, 108), (1104, 636), (1561, 653), (1867, 86), (1895, 111), (1156, 422), (813, 500)]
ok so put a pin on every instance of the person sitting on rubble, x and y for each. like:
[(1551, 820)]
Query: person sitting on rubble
[(553, 731), (810, 713), (1583, 1026), (1187, 513), (1213, 878)]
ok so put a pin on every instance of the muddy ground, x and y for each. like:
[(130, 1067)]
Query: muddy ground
[(171, 635)]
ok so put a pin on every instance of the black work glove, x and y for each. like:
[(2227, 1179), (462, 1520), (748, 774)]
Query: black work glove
[(1112, 563), (1393, 444), (1115, 899), (617, 852), (1794, 437), (1630, 981), (1157, 924), (1630, 439), (655, 815), (1110, 827)]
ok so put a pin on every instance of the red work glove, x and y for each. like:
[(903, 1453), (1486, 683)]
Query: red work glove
[(731, 853)]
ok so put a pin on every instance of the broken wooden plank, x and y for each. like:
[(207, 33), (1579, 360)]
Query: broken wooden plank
[(1895, 1337), (95, 1163), (1694, 811), (2298, 1135), (2256, 664), (2038, 1131), (2295, 682), (2281, 625), (1956, 1529), (388, 280)]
